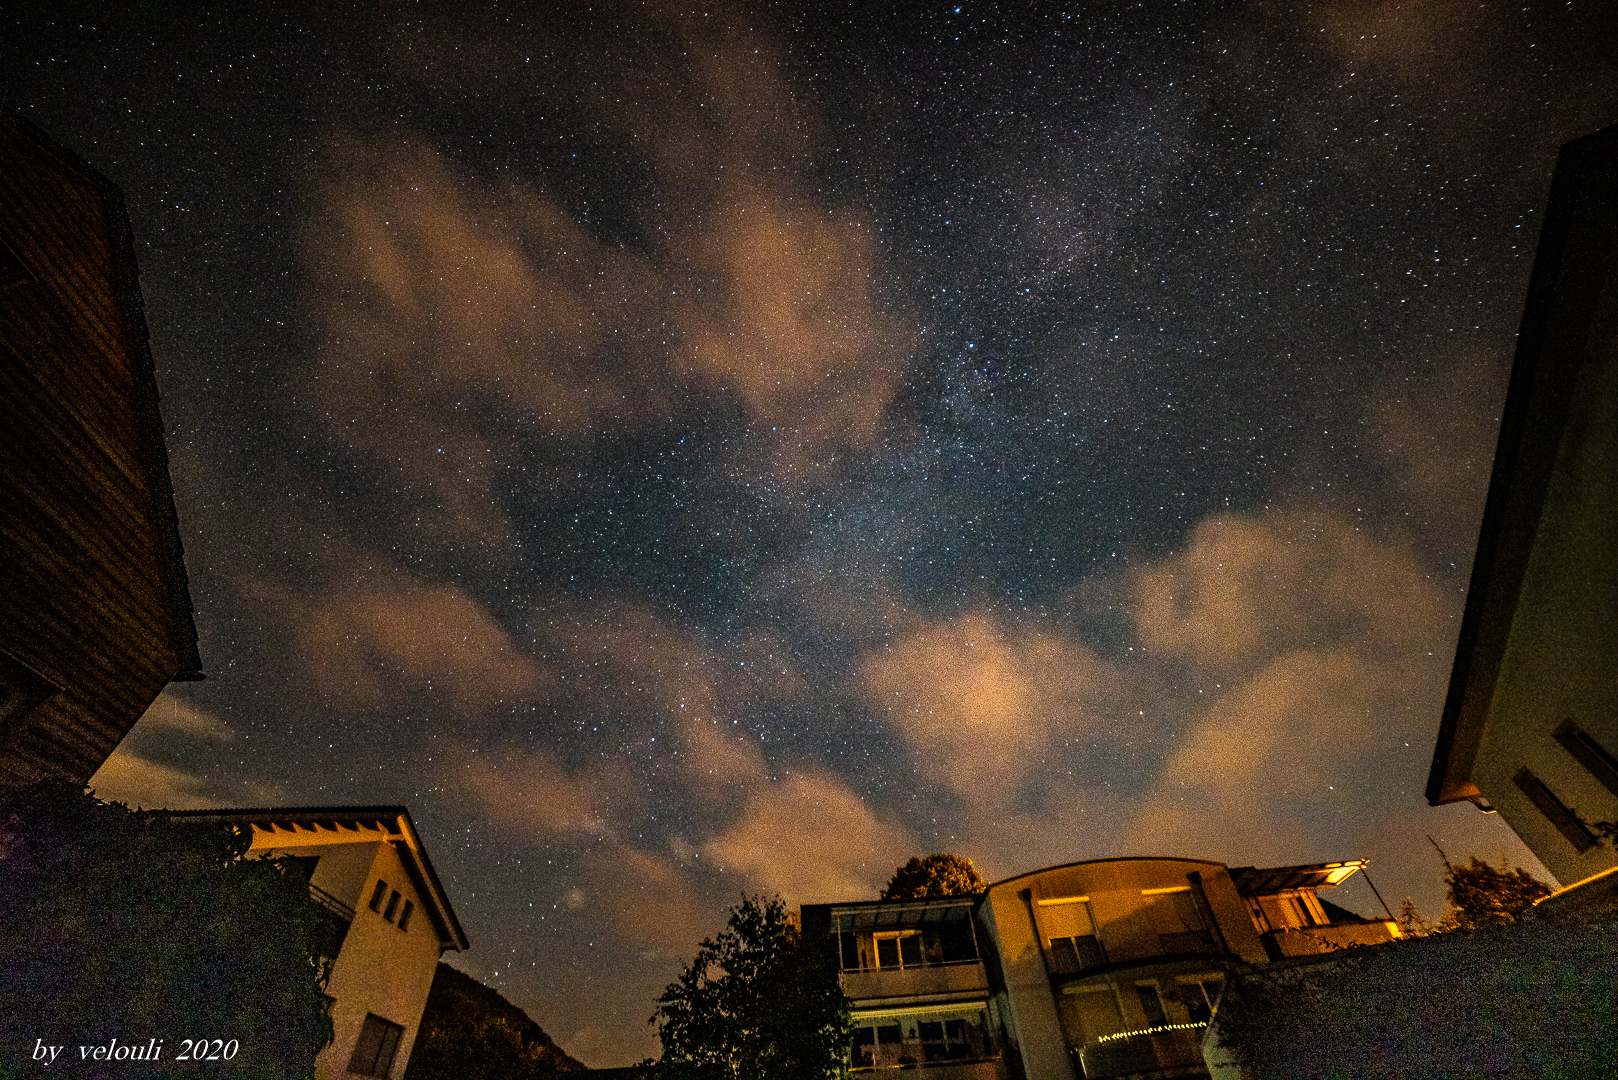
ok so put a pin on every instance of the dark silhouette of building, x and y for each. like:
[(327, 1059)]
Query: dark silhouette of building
[(95, 611), (1530, 726)]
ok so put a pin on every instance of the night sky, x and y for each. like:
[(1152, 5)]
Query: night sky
[(687, 452)]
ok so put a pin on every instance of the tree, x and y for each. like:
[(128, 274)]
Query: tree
[(758, 1001), (121, 924), (1481, 895), (934, 875)]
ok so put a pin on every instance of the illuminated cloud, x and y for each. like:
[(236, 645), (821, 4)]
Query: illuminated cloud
[(808, 837), (129, 775), (389, 638), (1318, 660), (983, 707), (528, 792), (456, 315), (1246, 590)]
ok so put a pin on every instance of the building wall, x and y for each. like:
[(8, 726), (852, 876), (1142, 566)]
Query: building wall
[(381, 969), (97, 613), (1561, 658)]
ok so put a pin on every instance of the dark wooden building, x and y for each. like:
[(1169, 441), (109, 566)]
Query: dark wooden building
[(95, 612)]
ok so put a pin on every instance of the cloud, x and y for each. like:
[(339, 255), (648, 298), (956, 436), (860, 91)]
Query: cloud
[(983, 706), (1247, 589), (461, 319), (1316, 664), (131, 775), (529, 792), (388, 637), (453, 314), (811, 839)]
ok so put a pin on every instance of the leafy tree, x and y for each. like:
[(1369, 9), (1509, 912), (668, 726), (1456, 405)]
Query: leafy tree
[(1481, 895), (131, 925), (1410, 920), (934, 875), (758, 1001), (470, 1032)]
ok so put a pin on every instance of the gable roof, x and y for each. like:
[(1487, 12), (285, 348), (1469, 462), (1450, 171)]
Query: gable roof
[(316, 824)]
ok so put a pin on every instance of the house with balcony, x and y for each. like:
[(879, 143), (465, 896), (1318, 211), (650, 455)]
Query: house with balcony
[(391, 921), (1088, 971), (919, 983)]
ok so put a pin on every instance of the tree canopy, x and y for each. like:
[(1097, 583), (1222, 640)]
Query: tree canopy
[(758, 1001), (126, 924), (924, 877), (1481, 895)]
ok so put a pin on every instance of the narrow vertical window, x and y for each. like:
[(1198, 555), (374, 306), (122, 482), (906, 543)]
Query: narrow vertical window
[(377, 894), (393, 906), (1589, 753), (1554, 810), (404, 916)]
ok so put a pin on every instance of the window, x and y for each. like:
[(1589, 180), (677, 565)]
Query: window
[(1199, 997), (377, 894), (1589, 753), (393, 906), (898, 949), (373, 1054), (1070, 935), (1151, 1004), (404, 916), (1566, 822)]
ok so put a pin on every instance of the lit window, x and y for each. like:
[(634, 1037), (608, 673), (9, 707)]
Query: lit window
[(378, 1042), (898, 949)]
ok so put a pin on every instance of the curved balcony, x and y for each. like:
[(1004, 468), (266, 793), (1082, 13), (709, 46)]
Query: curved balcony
[(1166, 1052)]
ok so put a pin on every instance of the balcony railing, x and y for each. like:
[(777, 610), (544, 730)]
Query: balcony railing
[(1175, 1049), (931, 979)]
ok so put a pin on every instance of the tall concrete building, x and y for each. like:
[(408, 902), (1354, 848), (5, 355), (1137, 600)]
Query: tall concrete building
[(1530, 726)]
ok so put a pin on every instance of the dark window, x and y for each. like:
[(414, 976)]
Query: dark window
[(22, 690), (377, 894), (849, 947), (404, 916), (1589, 753), (373, 1054), (956, 943), (1072, 954), (864, 1047), (944, 1040), (393, 906), (901, 950), (1555, 810), (1152, 1006)]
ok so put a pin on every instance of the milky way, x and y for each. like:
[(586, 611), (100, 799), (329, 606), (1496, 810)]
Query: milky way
[(684, 453)]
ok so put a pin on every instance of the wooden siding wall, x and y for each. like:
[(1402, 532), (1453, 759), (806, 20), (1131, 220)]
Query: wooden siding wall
[(87, 581)]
